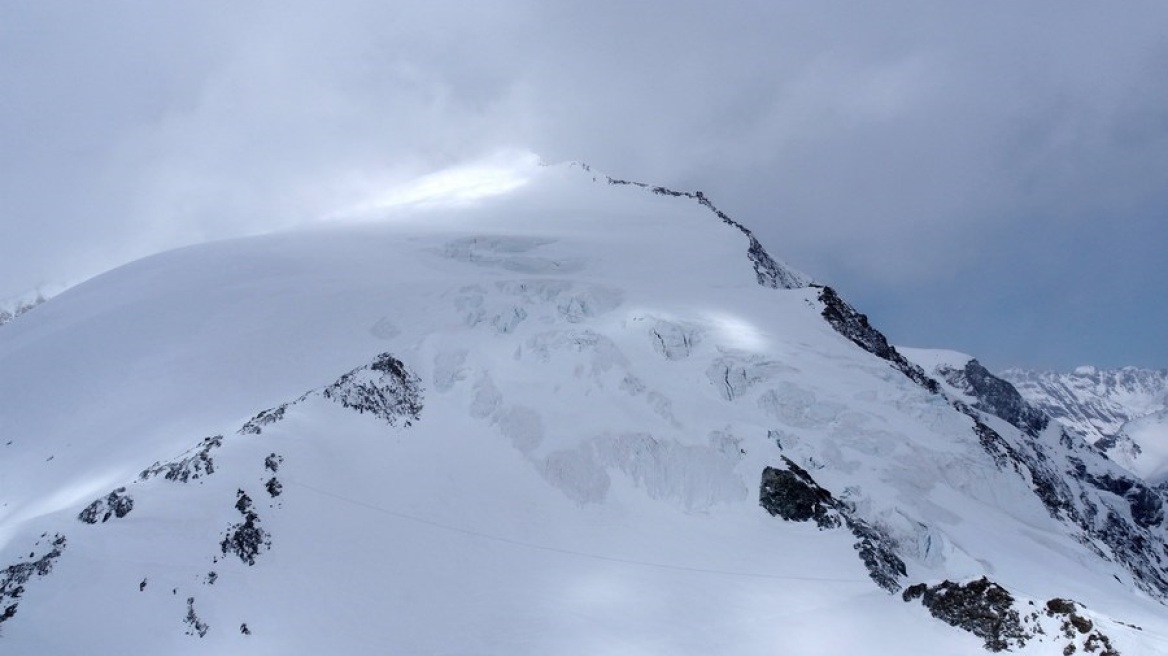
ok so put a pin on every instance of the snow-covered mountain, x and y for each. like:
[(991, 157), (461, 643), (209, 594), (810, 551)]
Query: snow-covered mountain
[(1096, 402), (1119, 410), (585, 416)]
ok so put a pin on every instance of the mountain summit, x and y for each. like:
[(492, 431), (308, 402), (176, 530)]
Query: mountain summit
[(581, 416)]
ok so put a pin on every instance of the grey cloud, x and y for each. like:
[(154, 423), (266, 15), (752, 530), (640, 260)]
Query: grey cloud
[(930, 159)]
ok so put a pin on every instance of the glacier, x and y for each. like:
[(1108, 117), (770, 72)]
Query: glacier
[(578, 416)]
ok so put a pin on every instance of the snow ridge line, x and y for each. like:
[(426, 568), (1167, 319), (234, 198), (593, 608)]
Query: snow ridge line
[(768, 271), (560, 550)]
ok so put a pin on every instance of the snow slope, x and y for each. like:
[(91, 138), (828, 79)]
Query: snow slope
[(540, 422), (15, 306)]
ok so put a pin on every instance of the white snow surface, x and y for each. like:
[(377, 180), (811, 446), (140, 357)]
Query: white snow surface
[(603, 383), (1150, 432)]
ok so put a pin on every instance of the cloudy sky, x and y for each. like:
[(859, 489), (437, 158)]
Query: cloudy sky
[(985, 176)]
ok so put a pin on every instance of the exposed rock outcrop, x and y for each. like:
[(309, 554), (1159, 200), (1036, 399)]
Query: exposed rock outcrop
[(115, 504), (996, 397), (14, 577), (980, 607), (855, 326), (383, 388), (791, 493), (186, 468), (246, 539)]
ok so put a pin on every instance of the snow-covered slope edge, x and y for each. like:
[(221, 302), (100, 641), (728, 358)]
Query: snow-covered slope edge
[(770, 273), (582, 479), (1117, 512)]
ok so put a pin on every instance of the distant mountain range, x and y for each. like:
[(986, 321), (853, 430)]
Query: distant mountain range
[(1122, 411)]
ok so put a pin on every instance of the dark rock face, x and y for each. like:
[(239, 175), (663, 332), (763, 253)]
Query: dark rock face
[(1146, 506), (196, 626), (1140, 549), (853, 325), (792, 494), (997, 397), (272, 463), (255, 425), (246, 539), (878, 553), (990, 612), (1074, 626), (384, 388), (980, 607), (14, 577), (196, 465), (1029, 460), (991, 441), (115, 504)]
